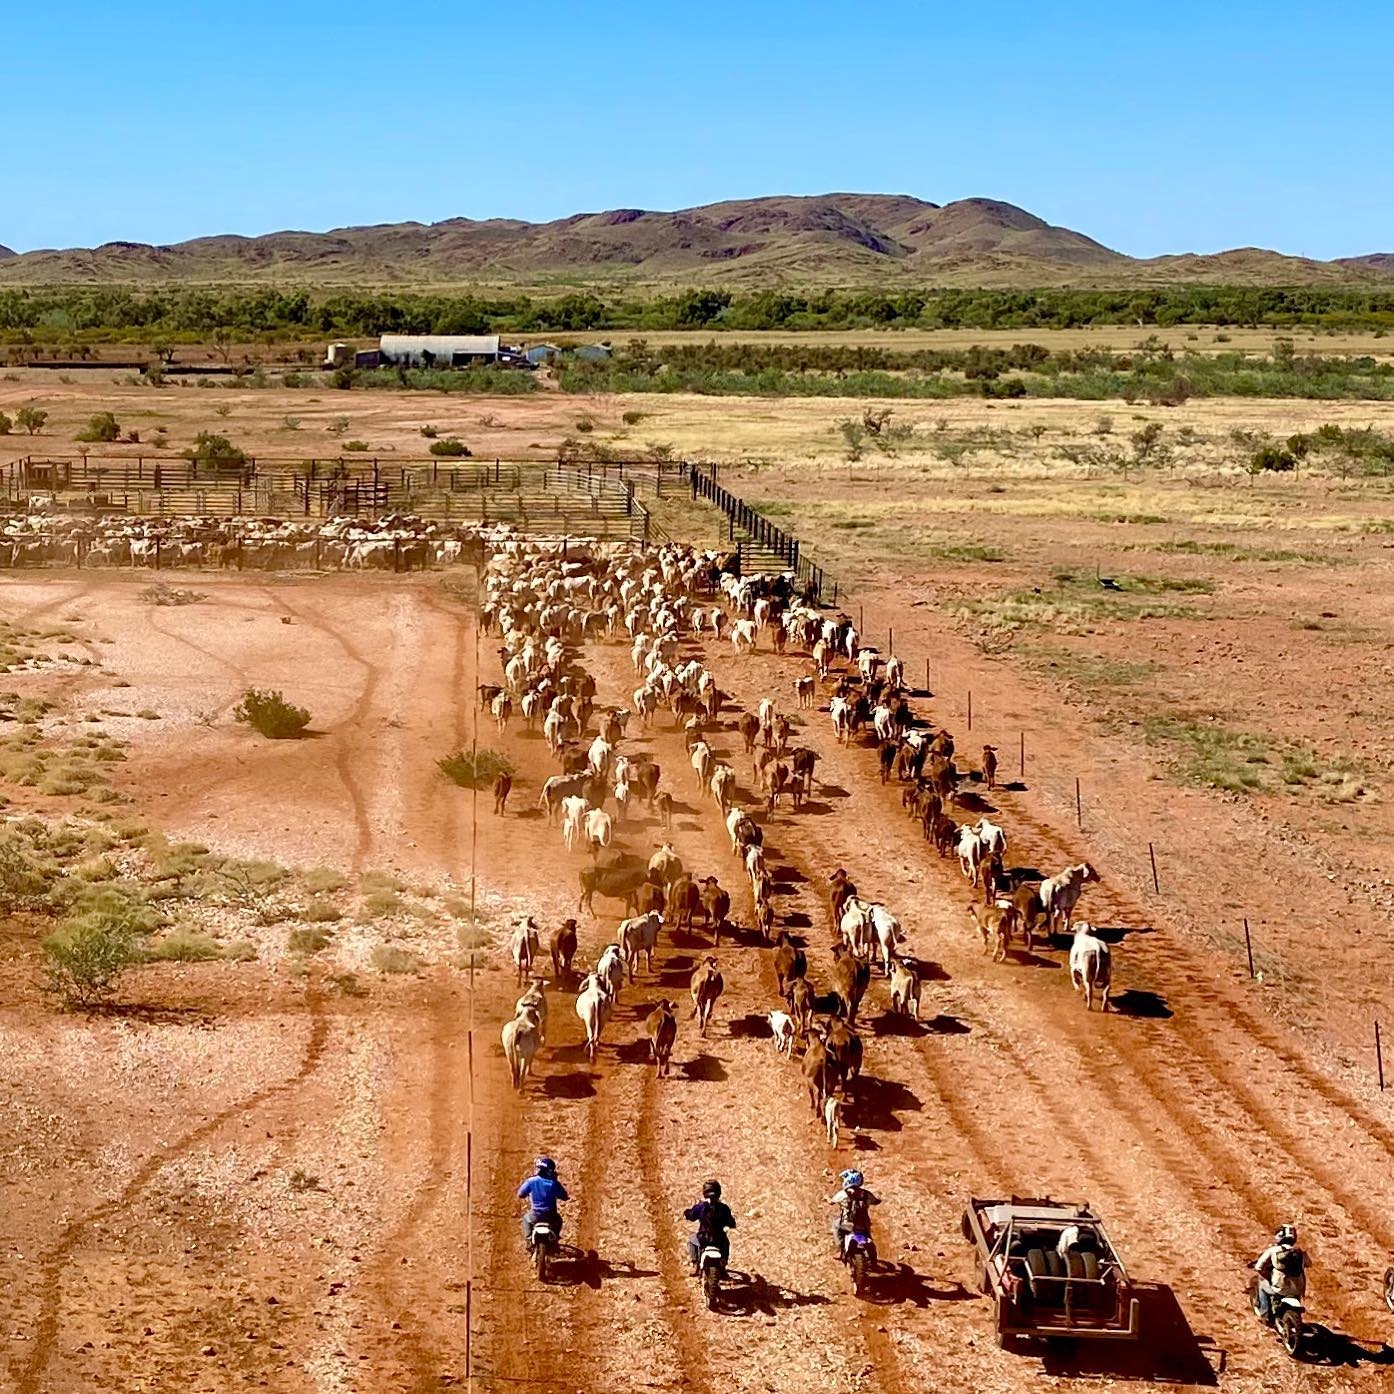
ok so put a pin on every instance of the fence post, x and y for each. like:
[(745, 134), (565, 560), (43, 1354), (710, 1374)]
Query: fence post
[(1249, 947), (1379, 1057), (1156, 886), (1079, 807)]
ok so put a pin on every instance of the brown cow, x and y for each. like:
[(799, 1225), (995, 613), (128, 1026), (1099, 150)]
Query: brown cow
[(851, 977), (684, 901), (800, 998), (790, 964), (502, 785), (562, 945), (990, 766), (706, 986), (1026, 900), (841, 889), (993, 877), (664, 802), (749, 727), (995, 924), (613, 882), (716, 907), (819, 1074), (662, 1030), (844, 1049), (650, 897)]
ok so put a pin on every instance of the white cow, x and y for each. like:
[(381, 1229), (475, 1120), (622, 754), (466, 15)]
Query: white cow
[(640, 936), (743, 636), (782, 1029), (885, 929), (523, 946), (905, 988), (840, 710), (534, 1000), (573, 813), (599, 829), (992, 837), (594, 1004), (1060, 894), (1091, 965), (970, 852), (702, 759), (521, 1037), (611, 968)]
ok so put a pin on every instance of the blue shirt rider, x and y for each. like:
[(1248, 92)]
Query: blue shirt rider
[(542, 1192), (713, 1218)]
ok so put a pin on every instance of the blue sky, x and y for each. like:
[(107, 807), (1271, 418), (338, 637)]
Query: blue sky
[(1193, 127)]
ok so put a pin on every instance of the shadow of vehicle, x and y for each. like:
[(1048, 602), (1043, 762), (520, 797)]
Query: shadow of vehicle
[(751, 1294), (572, 1267), (1167, 1350), (1151, 1006), (1333, 1348), (895, 1283)]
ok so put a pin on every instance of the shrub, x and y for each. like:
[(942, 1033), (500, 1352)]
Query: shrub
[(6, 424), (307, 941), (389, 959), (184, 946), (632, 418), (585, 425), (85, 958), (1272, 457), (271, 715), (211, 449), (320, 880), (430, 432), (450, 448), (32, 419), (357, 446), (321, 912), (475, 770), (162, 594)]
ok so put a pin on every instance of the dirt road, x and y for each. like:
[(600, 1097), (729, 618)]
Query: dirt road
[(260, 1181)]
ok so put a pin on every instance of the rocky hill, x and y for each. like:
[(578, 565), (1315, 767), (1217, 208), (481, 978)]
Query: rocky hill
[(841, 239)]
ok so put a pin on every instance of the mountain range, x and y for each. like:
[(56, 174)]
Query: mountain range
[(831, 239)]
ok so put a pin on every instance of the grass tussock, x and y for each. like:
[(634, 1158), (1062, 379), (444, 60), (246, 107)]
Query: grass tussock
[(388, 958)]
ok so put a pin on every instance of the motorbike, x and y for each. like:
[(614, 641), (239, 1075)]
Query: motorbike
[(1289, 1319), (859, 1254), (712, 1268), (542, 1247)]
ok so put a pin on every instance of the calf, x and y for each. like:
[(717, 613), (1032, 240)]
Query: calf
[(661, 1027), (562, 945), (990, 767), (905, 988), (804, 689), (782, 1029), (790, 964), (832, 1116), (800, 998), (502, 785), (995, 923)]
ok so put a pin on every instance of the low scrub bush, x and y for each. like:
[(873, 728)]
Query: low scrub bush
[(321, 912), (101, 429), (85, 958), (387, 958), (184, 946), (271, 715), (322, 880), (307, 941), (450, 448), (162, 594), (475, 769)]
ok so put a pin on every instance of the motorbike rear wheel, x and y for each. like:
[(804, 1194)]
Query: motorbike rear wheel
[(859, 1268), (1289, 1326), (711, 1285), (539, 1261)]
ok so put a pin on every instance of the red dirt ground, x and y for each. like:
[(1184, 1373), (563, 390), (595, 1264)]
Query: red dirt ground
[(157, 1237)]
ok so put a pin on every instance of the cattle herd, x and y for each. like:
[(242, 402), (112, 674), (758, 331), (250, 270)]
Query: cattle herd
[(543, 607), (392, 542)]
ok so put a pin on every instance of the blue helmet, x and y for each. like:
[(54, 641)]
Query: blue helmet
[(852, 1179), (545, 1166)]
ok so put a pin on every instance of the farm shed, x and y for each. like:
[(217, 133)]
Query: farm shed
[(441, 350)]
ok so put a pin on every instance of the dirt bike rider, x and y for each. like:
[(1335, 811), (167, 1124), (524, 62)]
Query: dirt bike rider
[(854, 1213), (713, 1218), (1282, 1272), (542, 1191)]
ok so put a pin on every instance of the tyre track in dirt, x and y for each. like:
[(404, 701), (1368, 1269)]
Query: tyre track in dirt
[(347, 742), (48, 1324)]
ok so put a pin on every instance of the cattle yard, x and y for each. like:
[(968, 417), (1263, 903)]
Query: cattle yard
[(292, 1165)]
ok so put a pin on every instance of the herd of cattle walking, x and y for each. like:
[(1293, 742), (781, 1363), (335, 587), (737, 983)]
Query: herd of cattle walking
[(544, 606)]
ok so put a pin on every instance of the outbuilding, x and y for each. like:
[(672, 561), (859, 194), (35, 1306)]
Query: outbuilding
[(440, 350)]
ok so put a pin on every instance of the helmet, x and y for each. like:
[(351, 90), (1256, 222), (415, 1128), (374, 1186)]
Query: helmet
[(852, 1179), (545, 1166), (711, 1190), (1287, 1234)]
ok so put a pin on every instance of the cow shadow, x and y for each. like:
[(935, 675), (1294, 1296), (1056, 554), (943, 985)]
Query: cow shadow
[(1116, 933), (896, 1284), (751, 1026), (1137, 1002), (815, 808), (942, 1024), (879, 1101), (835, 791), (574, 1084), (1022, 875), (703, 1069), (798, 919), (786, 875), (1023, 959), (897, 1026), (751, 1294), (634, 1053), (1166, 1352), (1014, 786), (972, 802), (677, 971)]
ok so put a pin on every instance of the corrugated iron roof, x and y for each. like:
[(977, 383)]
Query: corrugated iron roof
[(442, 345)]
